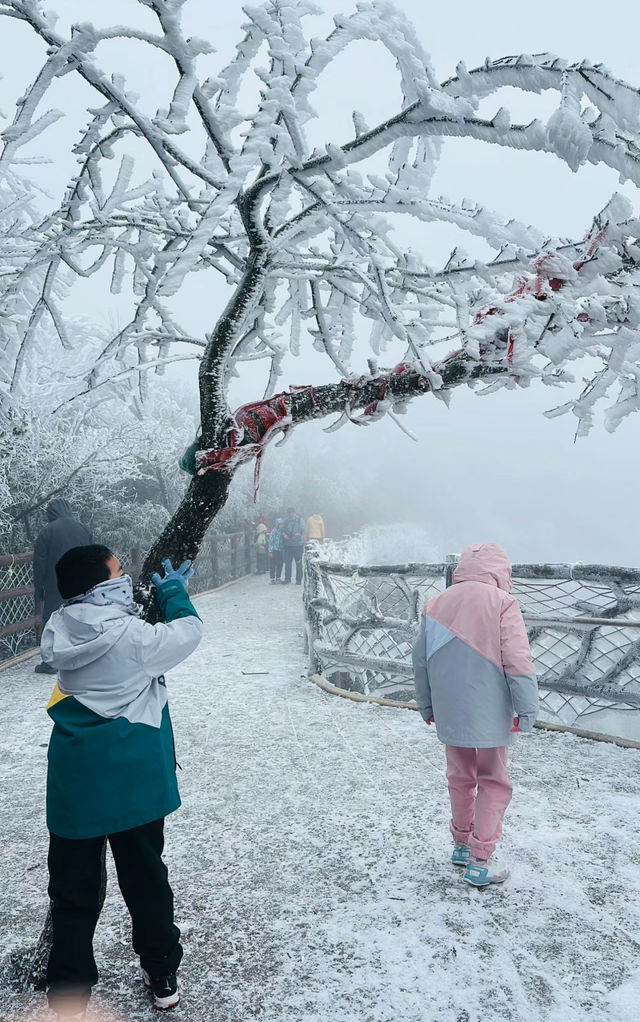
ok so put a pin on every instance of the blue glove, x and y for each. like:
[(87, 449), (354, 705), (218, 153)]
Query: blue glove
[(171, 574)]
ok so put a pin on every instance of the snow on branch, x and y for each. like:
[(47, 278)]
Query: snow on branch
[(252, 427), (303, 240)]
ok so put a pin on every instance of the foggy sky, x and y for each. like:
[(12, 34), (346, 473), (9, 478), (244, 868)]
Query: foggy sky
[(487, 468)]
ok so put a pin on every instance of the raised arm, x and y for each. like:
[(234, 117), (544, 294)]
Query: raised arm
[(165, 645)]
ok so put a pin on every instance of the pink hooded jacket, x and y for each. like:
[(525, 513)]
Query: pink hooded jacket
[(472, 662)]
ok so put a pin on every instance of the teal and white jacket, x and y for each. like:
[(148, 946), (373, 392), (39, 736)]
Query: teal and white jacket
[(111, 755)]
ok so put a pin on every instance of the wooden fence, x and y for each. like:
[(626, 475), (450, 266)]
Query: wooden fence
[(222, 558)]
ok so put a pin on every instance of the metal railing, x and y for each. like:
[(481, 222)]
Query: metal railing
[(222, 558), (18, 619), (583, 623)]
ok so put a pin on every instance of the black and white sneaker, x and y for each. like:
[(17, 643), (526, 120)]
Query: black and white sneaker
[(165, 990)]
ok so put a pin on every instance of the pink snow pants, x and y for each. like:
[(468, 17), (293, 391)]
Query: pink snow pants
[(480, 791)]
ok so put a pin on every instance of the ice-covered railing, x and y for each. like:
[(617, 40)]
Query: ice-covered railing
[(583, 622), (18, 619)]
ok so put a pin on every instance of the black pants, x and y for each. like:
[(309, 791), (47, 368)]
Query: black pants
[(75, 871), (291, 554), (275, 564)]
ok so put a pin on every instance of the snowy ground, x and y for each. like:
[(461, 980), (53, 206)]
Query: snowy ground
[(310, 858)]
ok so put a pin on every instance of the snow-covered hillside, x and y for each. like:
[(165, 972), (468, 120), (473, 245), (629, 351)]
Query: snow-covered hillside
[(386, 544), (310, 858)]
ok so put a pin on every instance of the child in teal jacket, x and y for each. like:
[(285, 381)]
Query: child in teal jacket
[(111, 771)]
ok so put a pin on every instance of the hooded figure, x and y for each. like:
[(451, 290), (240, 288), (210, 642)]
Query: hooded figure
[(474, 675), (472, 659), (61, 532)]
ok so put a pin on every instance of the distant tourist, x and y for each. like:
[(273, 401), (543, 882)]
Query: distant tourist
[(276, 548), (61, 533), (262, 552), (474, 676), (293, 529), (315, 527)]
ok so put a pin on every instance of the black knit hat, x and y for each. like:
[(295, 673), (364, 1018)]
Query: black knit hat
[(82, 568)]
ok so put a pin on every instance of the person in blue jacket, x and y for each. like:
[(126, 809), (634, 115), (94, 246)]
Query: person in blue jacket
[(111, 767), (293, 531), (276, 547)]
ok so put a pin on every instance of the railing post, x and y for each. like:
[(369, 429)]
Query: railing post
[(234, 555), (451, 560), (135, 563), (214, 567), (247, 552), (225, 558), (310, 592), (16, 586)]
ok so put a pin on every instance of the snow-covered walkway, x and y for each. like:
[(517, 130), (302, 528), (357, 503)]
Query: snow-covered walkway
[(310, 858)]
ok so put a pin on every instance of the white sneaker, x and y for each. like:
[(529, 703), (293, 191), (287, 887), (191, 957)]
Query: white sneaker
[(482, 872)]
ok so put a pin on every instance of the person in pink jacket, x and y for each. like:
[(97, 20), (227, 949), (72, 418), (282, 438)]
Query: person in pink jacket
[(474, 678)]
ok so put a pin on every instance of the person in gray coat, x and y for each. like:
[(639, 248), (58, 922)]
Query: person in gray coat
[(62, 532)]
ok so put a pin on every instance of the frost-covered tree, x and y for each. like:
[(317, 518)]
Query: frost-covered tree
[(303, 237), (94, 450), (118, 470), (20, 283)]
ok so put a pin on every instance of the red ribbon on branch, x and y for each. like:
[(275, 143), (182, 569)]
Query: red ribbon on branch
[(255, 425), (542, 284), (260, 422), (385, 383)]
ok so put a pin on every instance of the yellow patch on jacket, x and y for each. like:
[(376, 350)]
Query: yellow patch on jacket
[(56, 696)]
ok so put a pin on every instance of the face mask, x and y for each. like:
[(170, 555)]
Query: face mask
[(117, 591)]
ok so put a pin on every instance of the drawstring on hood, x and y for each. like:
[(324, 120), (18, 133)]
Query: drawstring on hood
[(484, 562)]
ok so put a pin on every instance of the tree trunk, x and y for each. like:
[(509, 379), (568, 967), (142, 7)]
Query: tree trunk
[(26, 968), (183, 535), (212, 375), (26, 521)]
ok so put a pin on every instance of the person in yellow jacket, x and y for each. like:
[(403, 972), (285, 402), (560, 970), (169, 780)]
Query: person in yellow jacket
[(315, 527)]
